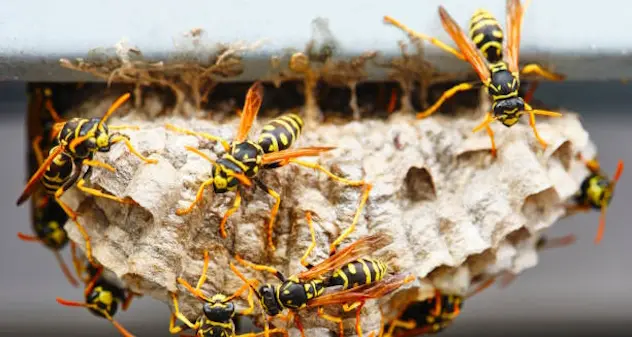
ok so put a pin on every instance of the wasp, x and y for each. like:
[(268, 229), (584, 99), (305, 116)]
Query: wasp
[(102, 297), (48, 225), (596, 192), (415, 318), (219, 310), (48, 217), (244, 158), (78, 140), (357, 277), (498, 70)]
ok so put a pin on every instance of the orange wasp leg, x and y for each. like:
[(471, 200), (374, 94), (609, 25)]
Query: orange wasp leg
[(177, 314), (345, 234)]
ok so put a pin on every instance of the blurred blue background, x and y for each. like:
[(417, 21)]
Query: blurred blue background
[(580, 290)]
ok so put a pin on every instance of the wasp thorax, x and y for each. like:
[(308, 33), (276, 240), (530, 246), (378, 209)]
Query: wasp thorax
[(268, 300), (503, 83), (598, 191), (219, 311)]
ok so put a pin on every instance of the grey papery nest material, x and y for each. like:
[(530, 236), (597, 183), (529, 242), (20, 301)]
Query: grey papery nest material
[(449, 208)]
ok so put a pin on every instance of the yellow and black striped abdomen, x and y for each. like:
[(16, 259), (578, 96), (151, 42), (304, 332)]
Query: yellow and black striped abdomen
[(58, 172), (357, 273), (280, 133), (209, 328), (487, 35)]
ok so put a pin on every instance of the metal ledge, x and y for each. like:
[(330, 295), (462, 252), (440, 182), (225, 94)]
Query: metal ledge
[(575, 39)]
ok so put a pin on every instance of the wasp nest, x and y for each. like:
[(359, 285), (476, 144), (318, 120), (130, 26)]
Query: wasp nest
[(450, 208)]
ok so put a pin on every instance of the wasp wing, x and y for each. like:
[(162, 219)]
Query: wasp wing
[(360, 248), (295, 153), (362, 293), (30, 186), (515, 13), (468, 49), (254, 97)]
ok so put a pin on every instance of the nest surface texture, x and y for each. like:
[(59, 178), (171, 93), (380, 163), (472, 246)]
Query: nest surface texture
[(449, 207)]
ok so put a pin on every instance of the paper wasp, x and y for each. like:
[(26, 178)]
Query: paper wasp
[(219, 310), (498, 71), (432, 315), (361, 278), (48, 217), (244, 158), (48, 225), (103, 296), (77, 141), (596, 192)]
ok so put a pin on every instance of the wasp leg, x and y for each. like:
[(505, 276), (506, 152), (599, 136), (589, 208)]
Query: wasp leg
[(407, 325), (81, 186), (485, 124), (308, 217), (275, 330), (123, 127), (128, 300), (224, 143), (79, 267), (358, 326), (356, 217), (447, 94), (177, 314), (198, 198), (299, 325), (53, 113), (273, 211), (392, 102), (229, 212), (592, 165), (115, 138), (105, 314), (528, 96), (202, 278), (334, 319), (251, 303), (535, 130), (72, 215), (196, 291), (327, 172), (484, 285), (64, 269), (261, 267), (536, 69), (413, 35), (58, 257), (95, 163), (573, 209)]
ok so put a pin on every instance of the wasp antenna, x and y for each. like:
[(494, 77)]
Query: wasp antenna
[(72, 303), (29, 238), (119, 101), (120, 328), (602, 225), (618, 173)]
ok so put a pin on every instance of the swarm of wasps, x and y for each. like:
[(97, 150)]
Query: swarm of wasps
[(350, 276)]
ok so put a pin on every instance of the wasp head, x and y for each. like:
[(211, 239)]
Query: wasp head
[(223, 175), (508, 111), (217, 310), (598, 190), (268, 298)]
